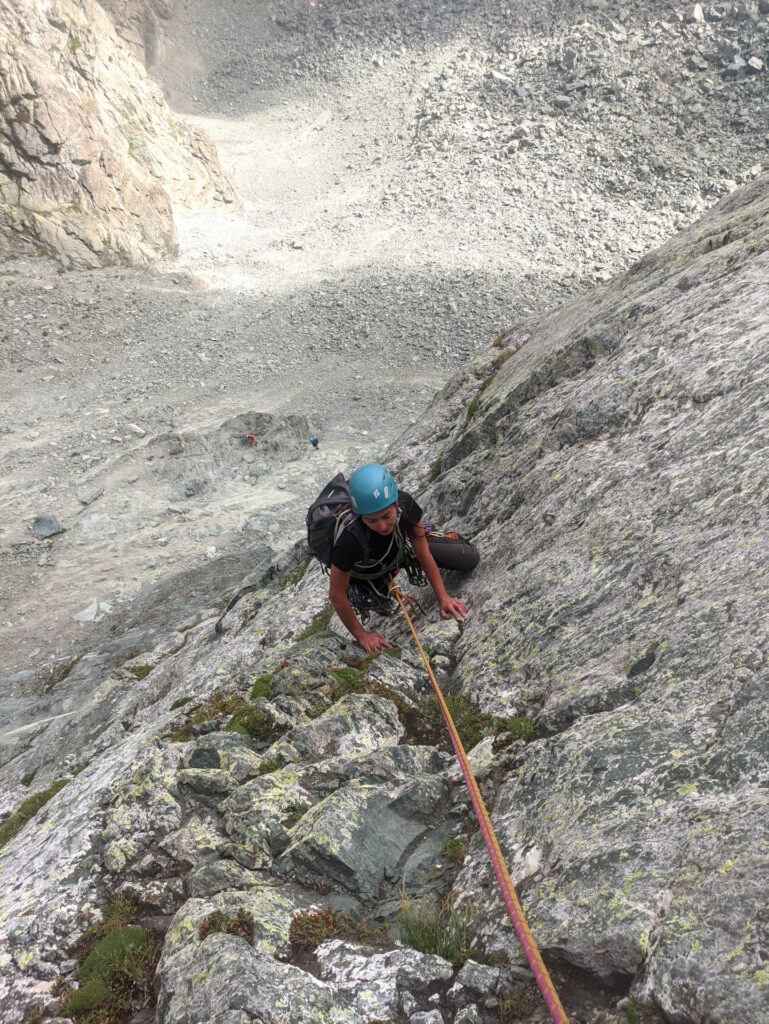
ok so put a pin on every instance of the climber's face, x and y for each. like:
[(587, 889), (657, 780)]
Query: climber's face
[(383, 521)]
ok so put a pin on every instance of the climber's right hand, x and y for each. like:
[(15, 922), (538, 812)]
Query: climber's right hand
[(372, 641)]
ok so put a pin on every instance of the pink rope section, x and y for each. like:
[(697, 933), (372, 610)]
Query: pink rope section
[(512, 904)]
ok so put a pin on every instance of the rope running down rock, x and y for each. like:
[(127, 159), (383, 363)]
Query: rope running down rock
[(514, 909)]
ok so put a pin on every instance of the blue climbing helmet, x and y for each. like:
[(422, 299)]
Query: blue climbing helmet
[(372, 488)]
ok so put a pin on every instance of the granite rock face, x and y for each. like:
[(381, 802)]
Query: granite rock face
[(611, 462), (91, 158)]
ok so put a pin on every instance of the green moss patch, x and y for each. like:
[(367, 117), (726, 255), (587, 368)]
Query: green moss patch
[(181, 702), (435, 470), (473, 406), (141, 671), (261, 686), (298, 573), (456, 849), (269, 766), (474, 725), (59, 674), (27, 810), (318, 624), (117, 964), (250, 721), (120, 910)]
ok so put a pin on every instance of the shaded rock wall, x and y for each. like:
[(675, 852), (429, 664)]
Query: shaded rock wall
[(91, 159), (611, 461)]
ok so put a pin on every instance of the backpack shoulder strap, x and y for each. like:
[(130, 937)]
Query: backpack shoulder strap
[(348, 520)]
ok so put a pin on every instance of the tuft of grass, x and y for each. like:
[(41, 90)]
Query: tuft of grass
[(271, 765), (241, 923), (27, 779), (120, 910), (141, 671), (498, 958), (435, 470), (393, 652), (632, 1014), (220, 705), (517, 1005), (349, 679), (181, 702), (27, 810), (456, 849), (318, 624), (309, 928), (115, 977), (261, 686), (441, 930)]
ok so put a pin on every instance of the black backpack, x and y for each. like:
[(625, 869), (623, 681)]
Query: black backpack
[(328, 516)]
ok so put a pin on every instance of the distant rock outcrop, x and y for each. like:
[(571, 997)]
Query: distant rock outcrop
[(139, 23), (91, 158)]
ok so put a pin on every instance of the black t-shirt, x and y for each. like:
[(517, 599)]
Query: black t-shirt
[(348, 549)]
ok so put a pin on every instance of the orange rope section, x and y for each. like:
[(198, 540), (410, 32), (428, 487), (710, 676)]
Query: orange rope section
[(514, 909)]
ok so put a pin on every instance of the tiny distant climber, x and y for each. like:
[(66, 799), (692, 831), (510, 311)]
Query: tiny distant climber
[(314, 441), (365, 531)]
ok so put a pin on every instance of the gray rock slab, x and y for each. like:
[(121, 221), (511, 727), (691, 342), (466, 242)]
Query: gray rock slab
[(356, 723), (409, 682), (209, 879), (624, 540), (375, 982), (254, 815), (230, 976), (229, 751), (46, 526), (362, 835), (196, 842)]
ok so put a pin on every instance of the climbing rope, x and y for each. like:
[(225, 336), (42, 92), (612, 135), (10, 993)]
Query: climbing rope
[(514, 909)]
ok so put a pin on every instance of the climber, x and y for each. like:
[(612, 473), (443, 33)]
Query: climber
[(374, 544), (314, 441)]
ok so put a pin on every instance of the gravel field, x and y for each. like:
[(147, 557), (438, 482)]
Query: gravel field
[(415, 177)]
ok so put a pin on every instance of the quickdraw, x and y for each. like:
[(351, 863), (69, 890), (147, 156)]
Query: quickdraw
[(514, 909)]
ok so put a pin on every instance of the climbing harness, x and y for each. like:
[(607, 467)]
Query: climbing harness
[(366, 597), (514, 909)]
